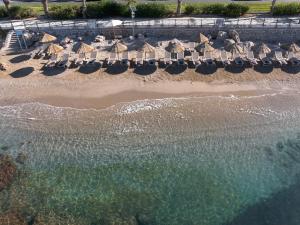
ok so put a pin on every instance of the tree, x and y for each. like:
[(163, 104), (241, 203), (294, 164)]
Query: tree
[(273, 5), (178, 10), (6, 3), (84, 7), (45, 6)]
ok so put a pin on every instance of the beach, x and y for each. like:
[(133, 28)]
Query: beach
[(197, 147)]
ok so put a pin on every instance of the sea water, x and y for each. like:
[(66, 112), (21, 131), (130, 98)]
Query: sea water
[(211, 160)]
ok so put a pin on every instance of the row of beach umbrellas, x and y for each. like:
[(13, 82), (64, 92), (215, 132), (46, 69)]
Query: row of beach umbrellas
[(174, 46)]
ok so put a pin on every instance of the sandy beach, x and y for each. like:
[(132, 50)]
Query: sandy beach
[(93, 87)]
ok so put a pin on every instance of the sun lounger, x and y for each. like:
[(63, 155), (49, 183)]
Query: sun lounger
[(224, 58), (64, 61), (180, 58), (112, 58), (279, 58), (191, 46), (92, 58), (125, 59), (250, 57), (237, 58), (52, 61), (266, 61), (151, 59), (195, 59), (139, 58), (208, 59), (167, 59), (293, 59)]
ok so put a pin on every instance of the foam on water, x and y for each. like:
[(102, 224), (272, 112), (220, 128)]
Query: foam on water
[(198, 160)]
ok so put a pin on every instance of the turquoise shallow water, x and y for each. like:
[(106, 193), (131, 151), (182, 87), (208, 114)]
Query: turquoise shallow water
[(210, 161)]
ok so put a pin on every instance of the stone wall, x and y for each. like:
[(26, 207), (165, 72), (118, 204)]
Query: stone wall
[(253, 34)]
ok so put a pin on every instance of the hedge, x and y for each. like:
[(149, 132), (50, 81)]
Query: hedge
[(286, 9), (65, 12), (153, 10), (107, 9), (3, 12), (228, 10)]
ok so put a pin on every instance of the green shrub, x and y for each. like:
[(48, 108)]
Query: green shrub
[(190, 9), (152, 10), (284, 9), (65, 12), (107, 9), (3, 12), (18, 12), (235, 10), (214, 9)]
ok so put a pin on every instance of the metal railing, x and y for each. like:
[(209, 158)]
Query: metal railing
[(156, 23)]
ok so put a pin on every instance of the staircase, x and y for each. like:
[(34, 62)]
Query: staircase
[(11, 43)]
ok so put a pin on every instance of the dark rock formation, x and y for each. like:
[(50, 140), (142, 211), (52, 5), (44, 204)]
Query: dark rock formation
[(8, 171)]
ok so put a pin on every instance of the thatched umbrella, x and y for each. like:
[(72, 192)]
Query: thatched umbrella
[(205, 47), (175, 46), (263, 49), (84, 48), (47, 38), (118, 48), (293, 48), (147, 48), (235, 48), (203, 38), (53, 49)]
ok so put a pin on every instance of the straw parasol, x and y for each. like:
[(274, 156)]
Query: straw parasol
[(47, 38), (205, 47), (175, 46), (54, 49), (293, 48), (84, 48), (235, 48), (263, 49), (118, 47), (147, 48), (203, 38)]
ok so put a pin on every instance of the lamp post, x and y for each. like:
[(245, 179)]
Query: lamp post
[(133, 10)]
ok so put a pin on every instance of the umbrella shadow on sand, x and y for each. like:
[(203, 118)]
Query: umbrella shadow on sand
[(290, 69), (89, 68), (176, 69), (263, 69), (20, 58), (145, 70), (206, 69), (52, 71), (233, 68), (116, 68), (22, 72)]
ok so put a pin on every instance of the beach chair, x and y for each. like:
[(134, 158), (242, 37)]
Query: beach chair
[(79, 61), (279, 58), (224, 58), (52, 61), (125, 59), (180, 58), (293, 59), (250, 57), (195, 59), (208, 59), (139, 58), (64, 61), (151, 59), (93, 57), (112, 58), (167, 59), (191, 46), (237, 58), (266, 61)]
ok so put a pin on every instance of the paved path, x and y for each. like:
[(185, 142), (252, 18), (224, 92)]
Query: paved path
[(168, 22)]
